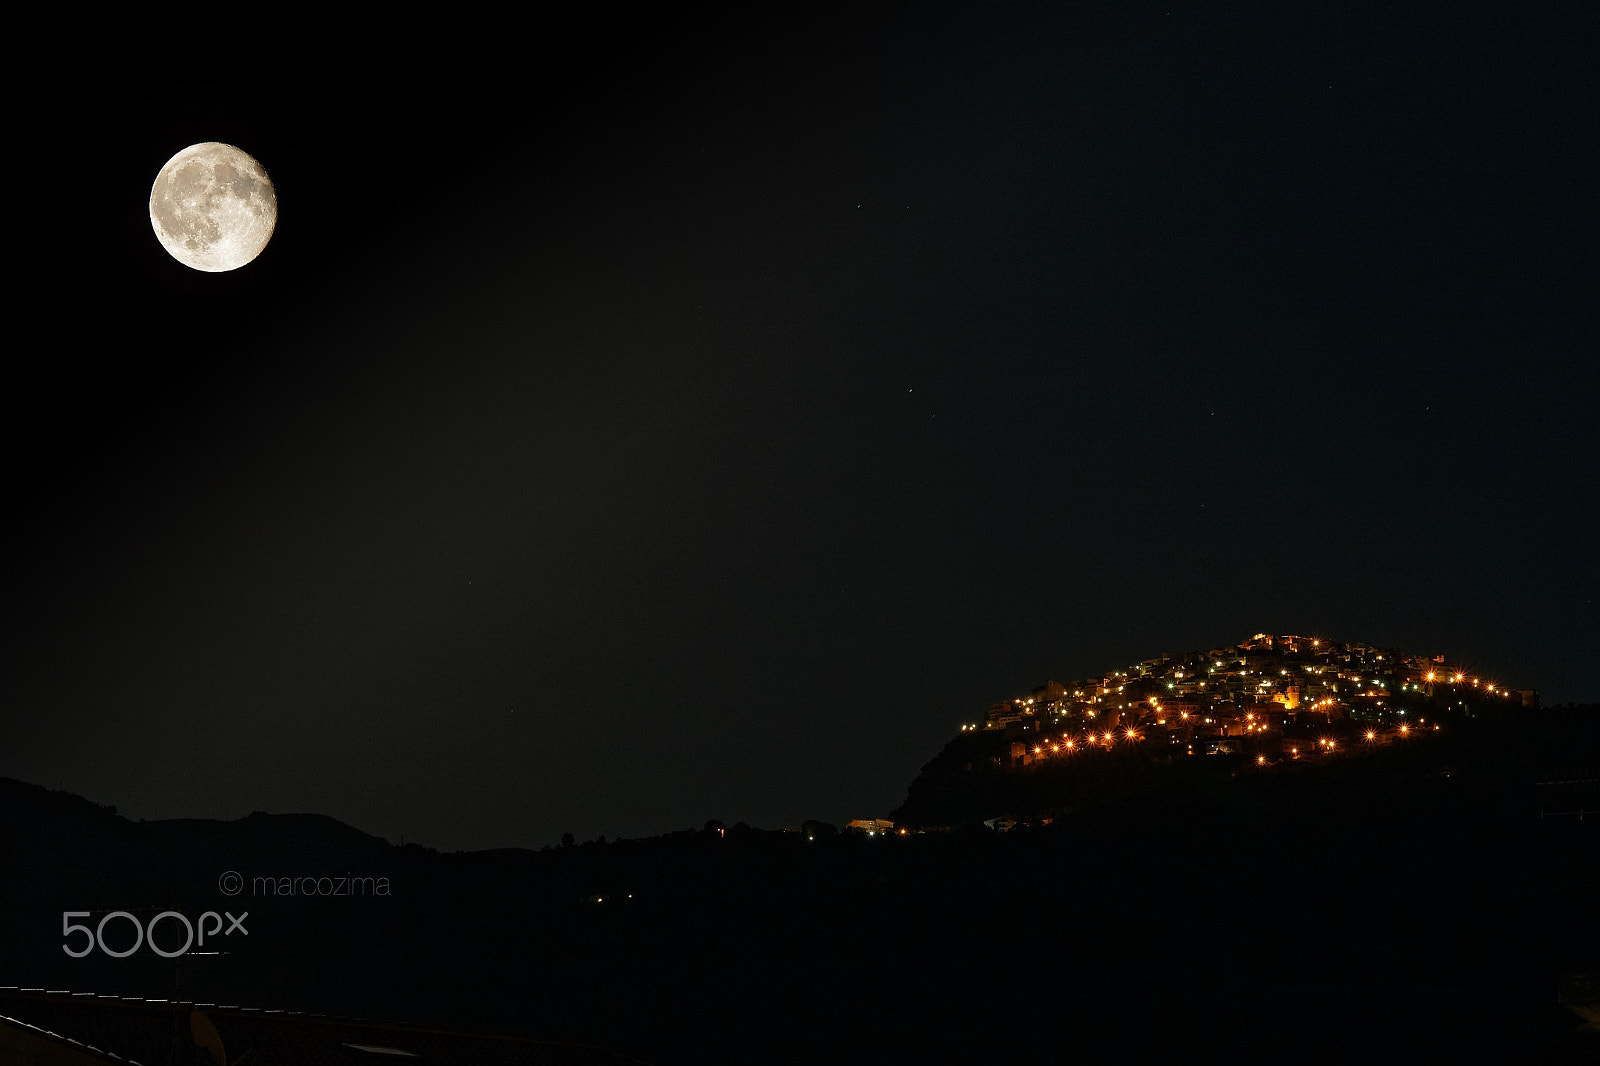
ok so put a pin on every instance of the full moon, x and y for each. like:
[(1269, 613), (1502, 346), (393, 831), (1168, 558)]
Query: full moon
[(213, 207)]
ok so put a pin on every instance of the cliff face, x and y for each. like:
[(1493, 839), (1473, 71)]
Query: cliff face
[(963, 782), (988, 774)]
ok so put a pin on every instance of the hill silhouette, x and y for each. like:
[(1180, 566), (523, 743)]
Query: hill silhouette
[(1412, 905)]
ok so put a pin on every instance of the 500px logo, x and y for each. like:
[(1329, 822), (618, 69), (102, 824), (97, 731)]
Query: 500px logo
[(146, 934)]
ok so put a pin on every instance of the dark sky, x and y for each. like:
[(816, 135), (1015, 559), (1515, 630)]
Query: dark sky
[(634, 423)]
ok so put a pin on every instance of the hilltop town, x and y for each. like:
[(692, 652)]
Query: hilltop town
[(1273, 696)]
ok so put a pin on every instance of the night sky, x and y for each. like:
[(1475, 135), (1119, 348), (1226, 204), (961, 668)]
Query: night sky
[(639, 422)]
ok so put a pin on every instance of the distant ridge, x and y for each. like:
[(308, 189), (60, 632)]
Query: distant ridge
[(64, 846)]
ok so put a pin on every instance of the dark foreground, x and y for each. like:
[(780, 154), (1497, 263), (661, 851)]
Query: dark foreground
[(1416, 905)]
